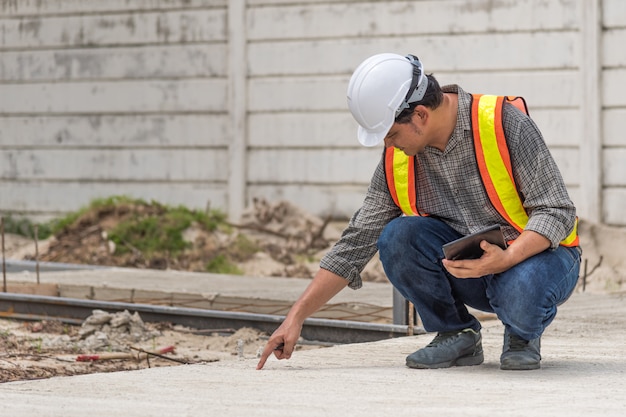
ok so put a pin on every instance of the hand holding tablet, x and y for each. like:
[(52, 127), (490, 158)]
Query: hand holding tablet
[(468, 247)]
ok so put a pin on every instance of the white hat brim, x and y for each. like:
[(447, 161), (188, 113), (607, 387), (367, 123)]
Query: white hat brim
[(369, 138)]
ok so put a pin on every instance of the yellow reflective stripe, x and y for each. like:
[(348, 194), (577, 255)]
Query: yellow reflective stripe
[(502, 182), (572, 239), (401, 180)]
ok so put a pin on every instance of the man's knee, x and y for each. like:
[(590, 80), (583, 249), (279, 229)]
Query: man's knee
[(405, 230)]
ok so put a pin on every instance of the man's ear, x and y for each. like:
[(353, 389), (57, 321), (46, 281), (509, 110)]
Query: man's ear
[(420, 114)]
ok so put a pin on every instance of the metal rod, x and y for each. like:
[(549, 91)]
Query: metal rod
[(411, 323), (4, 268), (36, 233), (325, 330)]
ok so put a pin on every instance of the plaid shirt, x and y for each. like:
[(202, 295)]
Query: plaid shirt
[(449, 187)]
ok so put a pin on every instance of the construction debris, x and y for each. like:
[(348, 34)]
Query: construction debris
[(287, 226), (48, 348), (272, 239), (138, 355), (114, 331)]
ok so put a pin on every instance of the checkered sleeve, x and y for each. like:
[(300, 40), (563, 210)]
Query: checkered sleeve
[(357, 245), (551, 211)]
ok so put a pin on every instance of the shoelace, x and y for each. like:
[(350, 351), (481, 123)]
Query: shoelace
[(443, 338), (516, 343)]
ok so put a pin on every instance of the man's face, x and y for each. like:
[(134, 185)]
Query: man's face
[(408, 137)]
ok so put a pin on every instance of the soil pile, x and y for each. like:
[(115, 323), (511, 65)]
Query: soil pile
[(272, 239)]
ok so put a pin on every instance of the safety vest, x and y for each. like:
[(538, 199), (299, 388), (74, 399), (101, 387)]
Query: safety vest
[(494, 165)]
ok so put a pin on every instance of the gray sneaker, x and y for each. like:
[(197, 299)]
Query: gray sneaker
[(459, 348), (519, 354)]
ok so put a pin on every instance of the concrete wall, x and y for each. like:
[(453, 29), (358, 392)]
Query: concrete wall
[(200, 102)]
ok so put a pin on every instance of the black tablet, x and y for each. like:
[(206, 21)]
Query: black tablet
[(468, 247)]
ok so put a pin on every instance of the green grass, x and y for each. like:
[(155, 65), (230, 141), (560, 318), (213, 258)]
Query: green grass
[(26, 228), (221, 265), (152, 228), (149, 227), (152, 233), (99, 204)]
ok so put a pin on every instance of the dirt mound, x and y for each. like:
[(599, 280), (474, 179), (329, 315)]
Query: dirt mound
[(133, 234), (272, 239)]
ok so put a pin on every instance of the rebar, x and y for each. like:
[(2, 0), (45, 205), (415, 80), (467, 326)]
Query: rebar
[(4, 268)]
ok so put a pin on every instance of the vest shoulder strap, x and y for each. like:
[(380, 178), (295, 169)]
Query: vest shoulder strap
[(494, 160), (400, 174)]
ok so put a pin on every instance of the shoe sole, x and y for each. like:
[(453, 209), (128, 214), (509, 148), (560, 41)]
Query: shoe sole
[(470, 360), (520, 367)]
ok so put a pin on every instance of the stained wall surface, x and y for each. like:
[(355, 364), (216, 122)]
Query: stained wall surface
[(213, 102)]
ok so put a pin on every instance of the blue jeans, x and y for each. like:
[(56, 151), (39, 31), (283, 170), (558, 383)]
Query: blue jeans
[(525, 297)]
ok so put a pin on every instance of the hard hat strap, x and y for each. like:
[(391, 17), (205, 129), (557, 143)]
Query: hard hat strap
[(419, 84)]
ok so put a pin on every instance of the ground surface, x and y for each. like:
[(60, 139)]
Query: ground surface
[(34, 350), (290, 242), (583, 374)]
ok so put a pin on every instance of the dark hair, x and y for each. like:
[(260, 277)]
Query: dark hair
[(432, 99)]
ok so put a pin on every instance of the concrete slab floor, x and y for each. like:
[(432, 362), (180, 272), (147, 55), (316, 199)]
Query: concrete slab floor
[(583, 373)]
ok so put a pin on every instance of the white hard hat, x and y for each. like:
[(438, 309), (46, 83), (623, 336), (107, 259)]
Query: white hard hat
[(380, 88)]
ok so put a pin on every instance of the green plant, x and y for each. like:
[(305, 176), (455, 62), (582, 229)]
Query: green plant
[(161, 231), (151, 228), (99, 204), (243, 248), (221, 265), (25, 227), (37, 344)]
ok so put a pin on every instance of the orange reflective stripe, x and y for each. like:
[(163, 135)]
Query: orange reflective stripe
[(518, 102), (391, 184), (494, 162), (494, 165), (503, 148), (400, 172)]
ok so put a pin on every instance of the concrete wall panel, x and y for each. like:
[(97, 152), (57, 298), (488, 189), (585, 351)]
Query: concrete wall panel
[(114, 29), (323, 199), (614, 199), (115, 131), (45, 8), (231, 100), (302, 130), (141, 96), (614, 13), (114, 165), (541, 90), (614, 127), (615, 167), (55, 198), (325, 166), (401, 18), (155, 61), (560, 127), (482, 52), (614, 87), (613, 49), (338, 129)]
